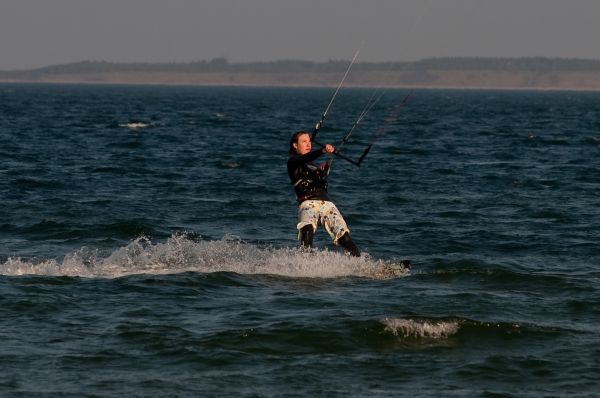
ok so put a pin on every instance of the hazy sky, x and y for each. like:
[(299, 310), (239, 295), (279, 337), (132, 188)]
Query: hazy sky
[(36, 33)]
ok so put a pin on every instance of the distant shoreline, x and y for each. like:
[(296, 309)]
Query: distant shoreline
[(308, 86), (443, 73)]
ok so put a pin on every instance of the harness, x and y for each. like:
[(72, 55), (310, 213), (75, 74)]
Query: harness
[(311, 180)]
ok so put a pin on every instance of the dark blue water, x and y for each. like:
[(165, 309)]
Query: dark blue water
[(147, 245)]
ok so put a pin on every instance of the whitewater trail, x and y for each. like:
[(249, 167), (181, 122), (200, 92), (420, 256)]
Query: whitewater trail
[(179, 254)]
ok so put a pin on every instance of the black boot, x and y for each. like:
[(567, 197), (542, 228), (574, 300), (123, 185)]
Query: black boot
[(306, 236), (348, 244)]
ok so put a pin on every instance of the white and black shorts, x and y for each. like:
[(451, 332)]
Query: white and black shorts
[(314, 212)]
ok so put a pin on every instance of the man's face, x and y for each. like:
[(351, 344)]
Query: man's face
[(303, 145)]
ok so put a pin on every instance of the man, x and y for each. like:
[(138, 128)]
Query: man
[(314, 205)]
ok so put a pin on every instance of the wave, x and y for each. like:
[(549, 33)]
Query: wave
[(592, 140), (513, 275), (135, 125), (186, 253), (419, 328), (430, 329)]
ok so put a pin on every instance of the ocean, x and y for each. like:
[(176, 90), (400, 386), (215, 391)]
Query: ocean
[(148, 244)]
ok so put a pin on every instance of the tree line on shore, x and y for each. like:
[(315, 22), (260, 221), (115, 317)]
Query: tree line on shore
[(531, 64)]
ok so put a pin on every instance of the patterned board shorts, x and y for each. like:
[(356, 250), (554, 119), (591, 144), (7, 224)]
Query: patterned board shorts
[(314, 212)]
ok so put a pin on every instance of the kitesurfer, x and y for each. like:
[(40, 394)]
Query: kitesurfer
[(314, 205)]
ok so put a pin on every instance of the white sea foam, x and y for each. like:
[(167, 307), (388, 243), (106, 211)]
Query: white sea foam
[(417, 328), (181, 254), (135, 125), (231, 165)]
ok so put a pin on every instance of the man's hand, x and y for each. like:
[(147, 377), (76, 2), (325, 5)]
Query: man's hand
[(328, 148)]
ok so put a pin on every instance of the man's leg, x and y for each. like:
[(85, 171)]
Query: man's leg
[(306, 236), (348, 244)]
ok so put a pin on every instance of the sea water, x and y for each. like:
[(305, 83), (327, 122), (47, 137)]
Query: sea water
[(148, 244)]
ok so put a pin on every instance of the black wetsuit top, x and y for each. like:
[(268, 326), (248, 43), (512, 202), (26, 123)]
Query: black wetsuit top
[(309, 180)]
